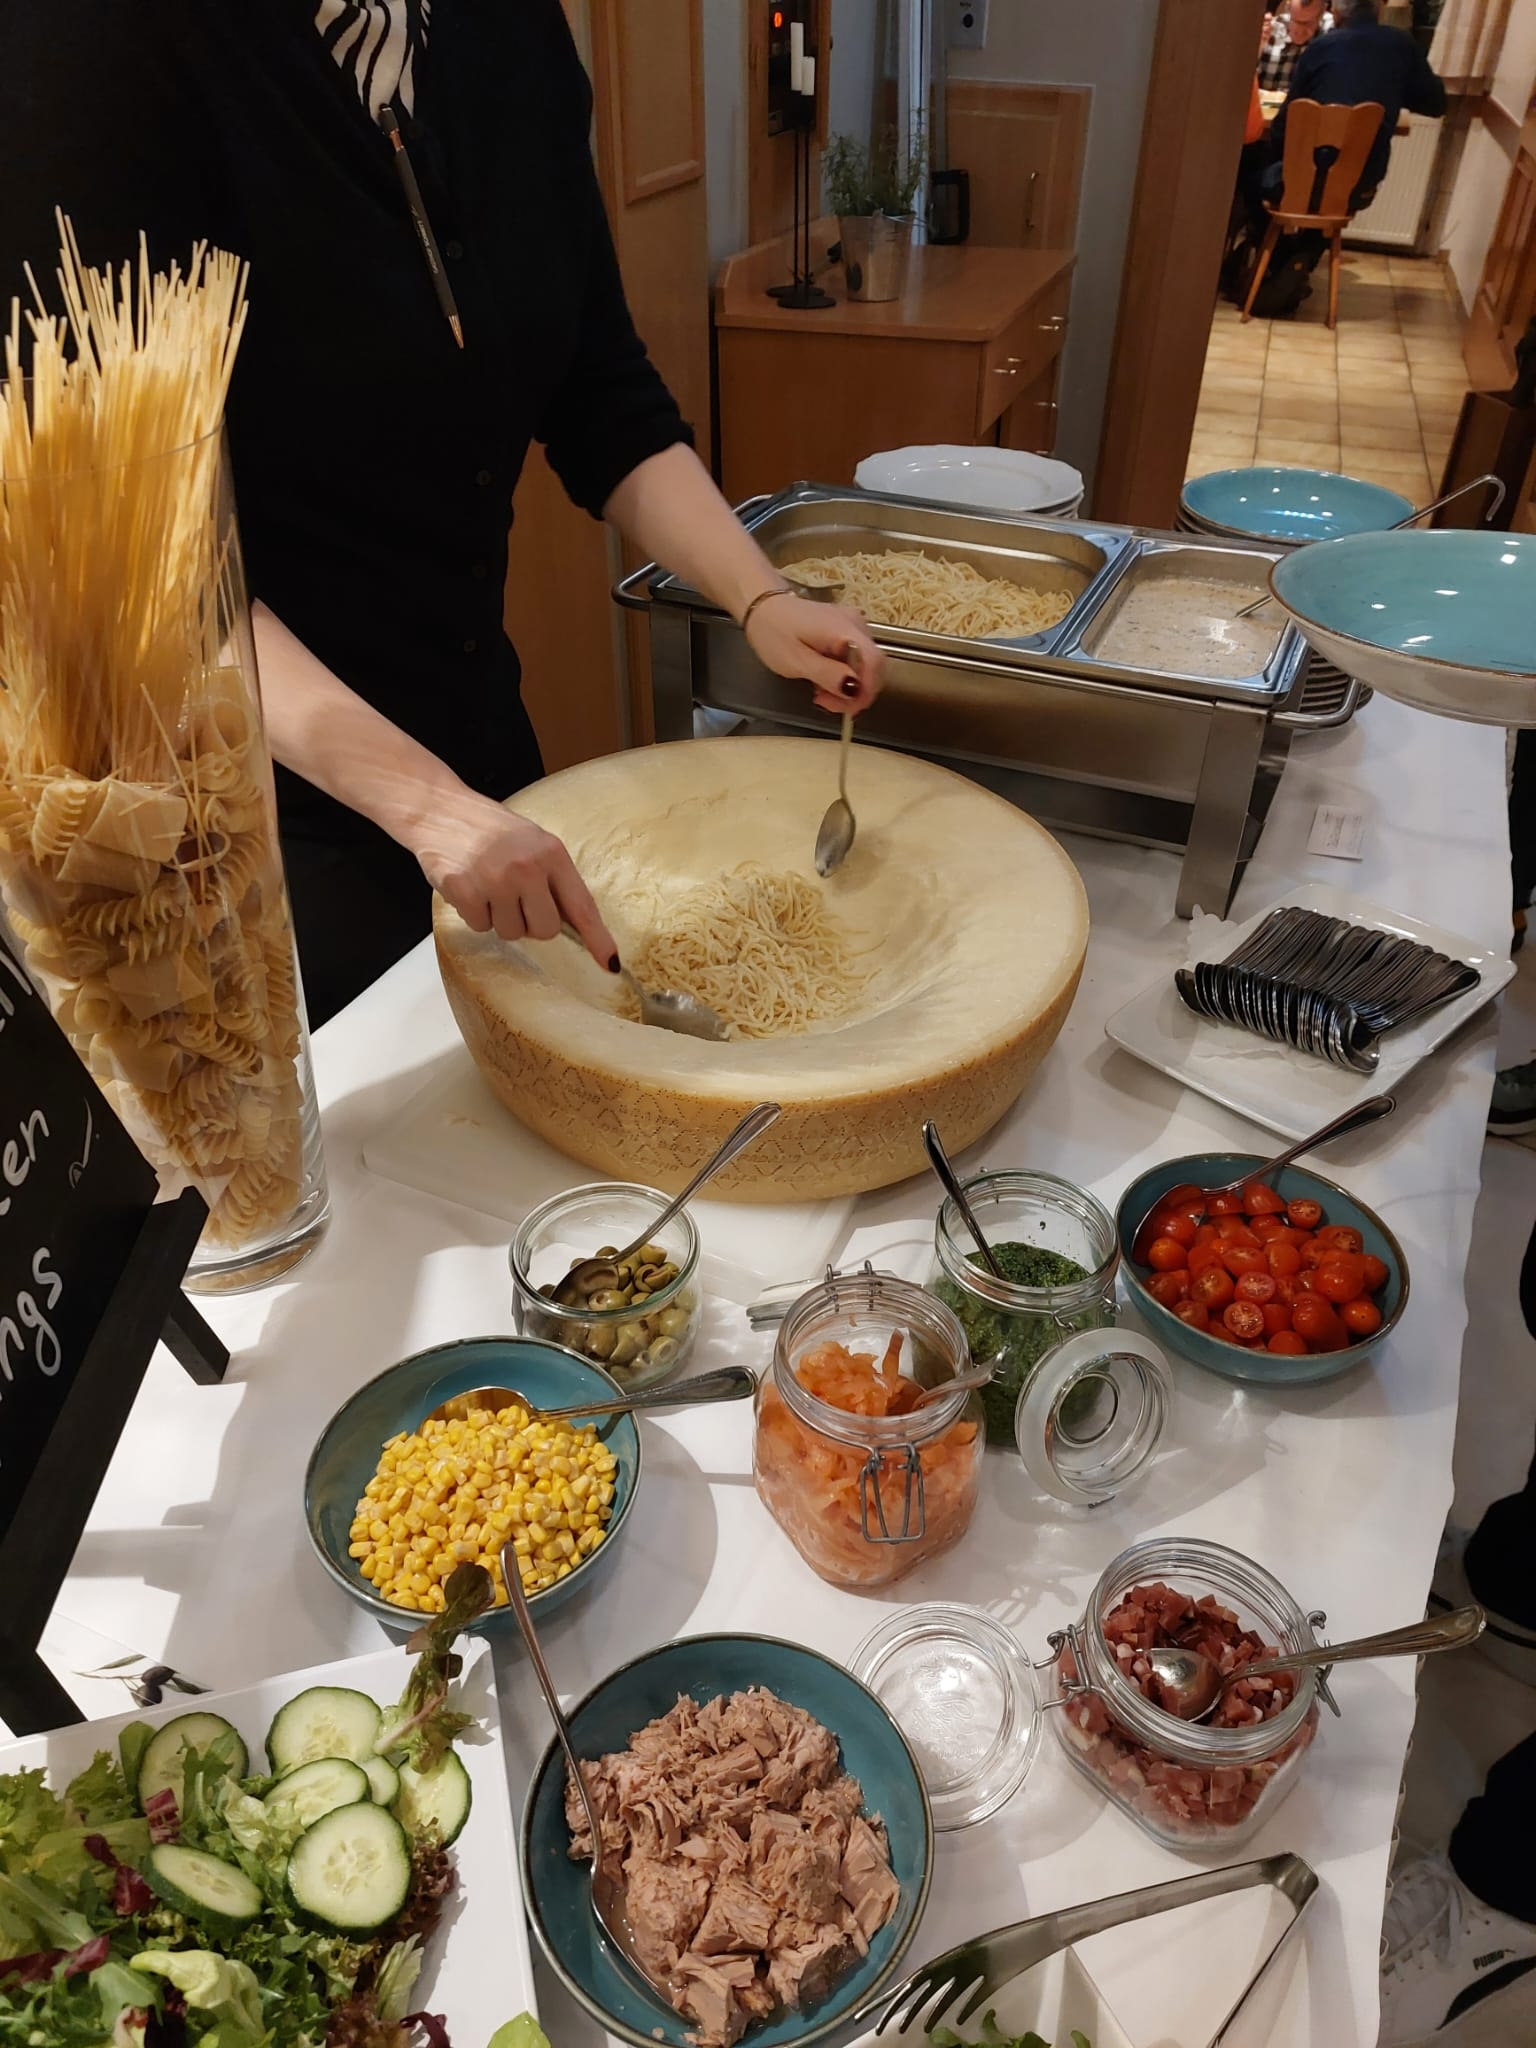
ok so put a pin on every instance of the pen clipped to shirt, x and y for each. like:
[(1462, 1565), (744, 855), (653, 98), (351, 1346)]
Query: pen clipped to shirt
[(423, 225)]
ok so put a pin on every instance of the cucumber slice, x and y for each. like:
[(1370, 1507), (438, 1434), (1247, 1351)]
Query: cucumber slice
[(164, 1761), (215, 1894), (328, 1720), (316, 1789), (352, 1870), (383, 1780), (435, 1801)]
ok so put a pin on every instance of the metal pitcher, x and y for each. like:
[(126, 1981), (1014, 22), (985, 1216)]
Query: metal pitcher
[(875, 248)]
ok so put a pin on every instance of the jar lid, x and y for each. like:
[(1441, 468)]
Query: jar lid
[(1091, 1414), (964, 1694)]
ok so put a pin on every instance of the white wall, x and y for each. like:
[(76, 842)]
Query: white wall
[(1514, 76), (1473, 210), (725, 126), (1106, 44), (855, 28)]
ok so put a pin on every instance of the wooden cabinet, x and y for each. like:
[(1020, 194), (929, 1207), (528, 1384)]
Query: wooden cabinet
[(1023, 148), (968, 354), (1505, 301)]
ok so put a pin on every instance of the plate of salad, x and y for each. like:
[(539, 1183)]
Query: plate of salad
[(323, 1860)]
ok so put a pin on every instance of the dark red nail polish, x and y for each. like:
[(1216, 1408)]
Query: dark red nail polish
[(613, 964), (850, 686)]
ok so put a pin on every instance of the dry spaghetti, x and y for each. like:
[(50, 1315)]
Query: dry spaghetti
[(760, 949), (930, 594)]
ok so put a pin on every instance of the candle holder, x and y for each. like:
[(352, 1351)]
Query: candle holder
[(802, 291)]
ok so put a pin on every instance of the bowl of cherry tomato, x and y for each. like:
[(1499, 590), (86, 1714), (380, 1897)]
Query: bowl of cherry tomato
[(1280, 1285)]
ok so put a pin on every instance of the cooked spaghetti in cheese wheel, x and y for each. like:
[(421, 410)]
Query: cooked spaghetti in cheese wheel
[(962, 926), (931, 594)]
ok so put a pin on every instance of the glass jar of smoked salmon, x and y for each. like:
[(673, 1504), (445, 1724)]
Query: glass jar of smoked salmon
[(865, 1477), (1189, 1784)]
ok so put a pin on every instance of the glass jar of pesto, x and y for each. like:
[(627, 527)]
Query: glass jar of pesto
[(1085, 1413)]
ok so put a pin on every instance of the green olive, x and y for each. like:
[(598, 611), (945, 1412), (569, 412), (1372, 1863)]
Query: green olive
[(626, 1346), (604, 1251), (688, 1301), (652, 1255), (599, 1341), (607, 1299), (673, 1322), (548, 1293), (662, 1353)]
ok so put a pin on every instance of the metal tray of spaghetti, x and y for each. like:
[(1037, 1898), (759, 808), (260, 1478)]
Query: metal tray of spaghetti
[(817, 520)]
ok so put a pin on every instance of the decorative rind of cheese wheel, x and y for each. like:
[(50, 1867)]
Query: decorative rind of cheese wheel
[(971, 916)]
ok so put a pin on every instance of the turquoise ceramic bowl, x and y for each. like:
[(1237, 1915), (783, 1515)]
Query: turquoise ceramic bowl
[(873, 1748), (347, 1455), (1443, 621), (1271, 501), (1259, 1368)]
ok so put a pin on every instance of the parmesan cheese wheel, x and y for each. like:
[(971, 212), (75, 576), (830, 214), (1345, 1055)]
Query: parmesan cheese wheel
[(970, 918)]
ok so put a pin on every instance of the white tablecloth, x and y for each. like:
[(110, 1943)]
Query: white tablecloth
[(196, 1550)]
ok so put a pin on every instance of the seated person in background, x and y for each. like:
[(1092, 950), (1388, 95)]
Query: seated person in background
[(1358, 62), (1288, 32)]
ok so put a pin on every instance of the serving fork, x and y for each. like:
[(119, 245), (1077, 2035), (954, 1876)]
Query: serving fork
[(977, 1970)]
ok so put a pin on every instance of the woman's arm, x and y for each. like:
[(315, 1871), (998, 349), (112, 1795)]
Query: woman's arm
[(497, 870), (669, 506)]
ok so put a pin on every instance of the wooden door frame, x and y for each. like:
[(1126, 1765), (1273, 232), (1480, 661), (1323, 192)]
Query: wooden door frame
[(1203, 61)]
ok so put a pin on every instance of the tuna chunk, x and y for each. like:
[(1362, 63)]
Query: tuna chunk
[(865, 1879), (708, 1989), (804, 1975), (738, 1918), (665, 1903)]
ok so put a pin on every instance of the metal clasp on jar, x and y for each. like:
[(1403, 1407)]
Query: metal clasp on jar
[(911, 1495)]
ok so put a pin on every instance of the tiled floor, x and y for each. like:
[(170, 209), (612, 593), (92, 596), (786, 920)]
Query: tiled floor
[(1378, 397)]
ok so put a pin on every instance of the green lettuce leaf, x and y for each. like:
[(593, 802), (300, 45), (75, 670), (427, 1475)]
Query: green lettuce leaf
[(132, 1742), (523, 2032), (99, 1794), (422, 1726), (213, 1984), (396, 1979), (28, 1810)]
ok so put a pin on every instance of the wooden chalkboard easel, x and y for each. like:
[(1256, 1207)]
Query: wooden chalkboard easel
[(91, 1266)]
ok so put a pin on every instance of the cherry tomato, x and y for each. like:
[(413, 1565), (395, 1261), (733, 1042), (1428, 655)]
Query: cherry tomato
[(1182, 1229), (1260, 1199), (1285, 1291), (1203, 1256), (1314, 1251), (1207, 1233), (1282, 1259), (1376, 1274), (1229, 1203), (1267, 1228), (1235, 1231), (1243, 1258), (1213, 1287), (1304, 1213), (1342, 1277), (1277, 1316), (1304, 1282), (1340, 1237), (1361, 1318), (1167, 1255), (1244, 1321), (1256, 1285), (1314, 1319), (1195, 1313), (1184, 1200), (1286, 1341), (1169, 1288)]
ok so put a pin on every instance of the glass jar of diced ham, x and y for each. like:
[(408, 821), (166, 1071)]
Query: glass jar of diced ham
[(1190, 1785), (865, 1482)]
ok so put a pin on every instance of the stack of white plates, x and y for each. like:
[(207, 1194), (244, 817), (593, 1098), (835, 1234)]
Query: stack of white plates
[(986, 479)]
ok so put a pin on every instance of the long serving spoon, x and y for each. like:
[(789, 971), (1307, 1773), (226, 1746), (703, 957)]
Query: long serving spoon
[(665, 1009), (1192, 1683), (834, 841), (587, 1276), (1397, 525), (949, 1180), (1370, 1111), (606, 1891), (729, 1383)]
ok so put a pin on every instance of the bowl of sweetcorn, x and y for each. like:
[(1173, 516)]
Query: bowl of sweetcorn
[(453, 1495)]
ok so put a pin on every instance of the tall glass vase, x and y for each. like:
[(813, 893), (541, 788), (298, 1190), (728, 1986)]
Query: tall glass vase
[(141, 876)]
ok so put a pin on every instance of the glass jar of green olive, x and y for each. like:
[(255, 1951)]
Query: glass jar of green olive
[(640, 1321)]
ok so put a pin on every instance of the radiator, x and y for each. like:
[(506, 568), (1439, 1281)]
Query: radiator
[(1396, 216)]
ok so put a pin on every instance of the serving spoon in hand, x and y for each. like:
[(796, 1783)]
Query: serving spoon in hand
[(1192, 1683), (665, 1009)]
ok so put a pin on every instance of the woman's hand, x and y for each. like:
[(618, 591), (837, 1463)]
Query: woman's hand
[(505, 874), (827, 644)]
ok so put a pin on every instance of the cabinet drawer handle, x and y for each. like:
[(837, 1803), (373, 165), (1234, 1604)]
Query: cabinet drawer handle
[(1047, 404), (1011, 369), (1054, 325)]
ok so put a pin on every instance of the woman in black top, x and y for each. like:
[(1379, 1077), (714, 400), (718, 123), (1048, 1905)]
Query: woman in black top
[(375, 456)]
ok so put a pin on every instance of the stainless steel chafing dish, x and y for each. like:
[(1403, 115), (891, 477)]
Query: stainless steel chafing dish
[(1186, 762)]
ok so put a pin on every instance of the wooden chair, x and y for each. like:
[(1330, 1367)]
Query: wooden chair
[(1325, 152)]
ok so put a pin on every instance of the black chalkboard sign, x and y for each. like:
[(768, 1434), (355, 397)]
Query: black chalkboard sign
[(90, 1278)]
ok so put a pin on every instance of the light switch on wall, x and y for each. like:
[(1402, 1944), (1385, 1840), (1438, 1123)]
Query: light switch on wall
[(967, 24)]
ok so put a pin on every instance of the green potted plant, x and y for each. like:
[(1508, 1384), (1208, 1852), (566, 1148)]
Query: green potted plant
[(872, 188)]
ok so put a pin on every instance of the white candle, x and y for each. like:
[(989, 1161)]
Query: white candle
[(796, 56), (808, 77)]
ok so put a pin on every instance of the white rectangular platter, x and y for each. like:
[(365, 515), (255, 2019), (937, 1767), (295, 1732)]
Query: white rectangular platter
[(1271, 1085), (484, 1919)]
